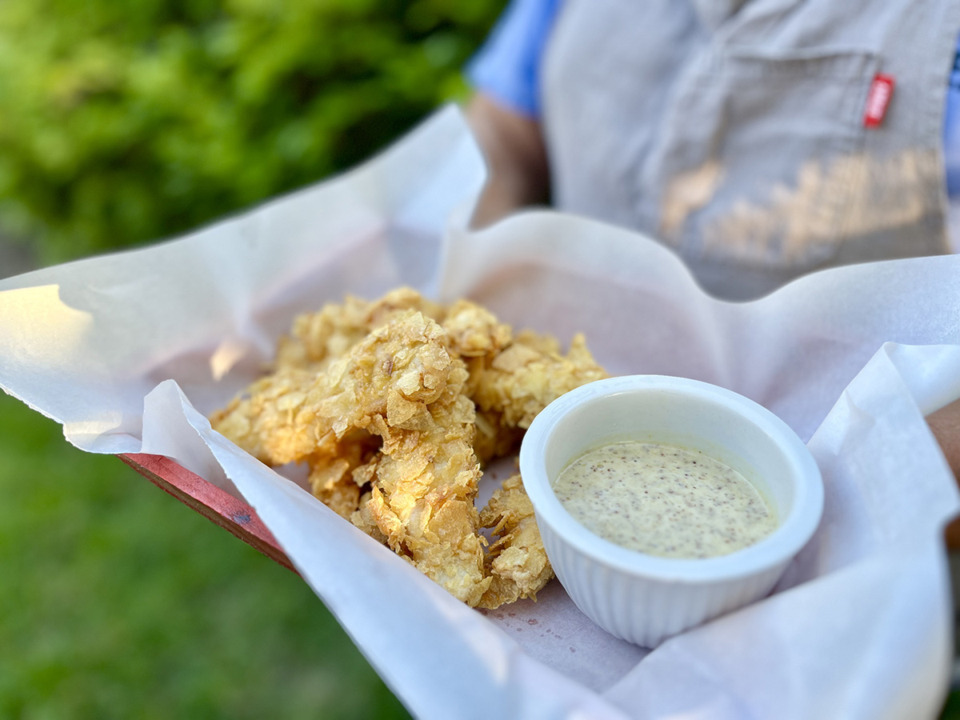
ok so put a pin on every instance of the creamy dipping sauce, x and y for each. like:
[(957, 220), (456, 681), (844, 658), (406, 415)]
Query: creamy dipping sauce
[(664, 500)]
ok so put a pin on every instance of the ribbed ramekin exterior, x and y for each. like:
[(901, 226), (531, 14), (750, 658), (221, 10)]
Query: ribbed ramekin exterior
[(646, 611)]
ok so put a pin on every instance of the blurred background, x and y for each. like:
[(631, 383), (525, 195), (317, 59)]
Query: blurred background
[(127, 123)]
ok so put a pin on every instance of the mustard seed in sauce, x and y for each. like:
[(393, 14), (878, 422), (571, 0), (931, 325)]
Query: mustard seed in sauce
[(664, 500)]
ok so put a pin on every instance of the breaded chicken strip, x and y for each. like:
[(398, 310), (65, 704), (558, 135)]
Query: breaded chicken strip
[(400, 383), (423, 496), (318, 338), (474, 331), (511, 388), (263, 421), (394, 372), (338, 470), (517, 562)]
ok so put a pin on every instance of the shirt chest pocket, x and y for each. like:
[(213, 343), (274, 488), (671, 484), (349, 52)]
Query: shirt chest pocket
[(759, 156)]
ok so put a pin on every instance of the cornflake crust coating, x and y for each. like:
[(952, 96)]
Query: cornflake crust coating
[(395, 405)]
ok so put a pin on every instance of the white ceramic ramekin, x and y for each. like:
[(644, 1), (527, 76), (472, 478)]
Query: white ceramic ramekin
[(645, 599)]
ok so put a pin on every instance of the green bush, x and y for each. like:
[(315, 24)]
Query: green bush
[(127, 122)]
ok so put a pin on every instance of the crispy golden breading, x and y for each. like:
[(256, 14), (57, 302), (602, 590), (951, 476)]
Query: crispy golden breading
[(338, 470), (402, 384), (474, 331), (395, 371), (264, 420), (317, 338), (517, 562), (394, 405), (528, 375), (511, 387)]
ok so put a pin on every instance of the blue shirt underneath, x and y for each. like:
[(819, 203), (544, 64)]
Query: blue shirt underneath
[(951, 130), (508, 65), (508, 69)]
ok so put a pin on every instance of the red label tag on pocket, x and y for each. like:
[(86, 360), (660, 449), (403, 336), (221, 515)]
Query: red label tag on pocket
[(878, 99)]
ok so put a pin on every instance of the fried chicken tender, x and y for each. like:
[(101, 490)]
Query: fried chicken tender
[(517, 562), (394, 372), (517, 383), (263, 421), (394, 404), (474, 331), (320, 337), (338, 470), (423, 495), (400, 383)]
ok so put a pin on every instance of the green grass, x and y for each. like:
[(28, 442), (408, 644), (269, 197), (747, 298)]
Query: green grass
[(116, 601)]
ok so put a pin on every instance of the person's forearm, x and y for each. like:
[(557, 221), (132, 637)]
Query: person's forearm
[(516, 158), (945, 424)]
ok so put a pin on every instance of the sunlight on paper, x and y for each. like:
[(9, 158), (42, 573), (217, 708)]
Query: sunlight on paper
[(37, 319), (227, 354)]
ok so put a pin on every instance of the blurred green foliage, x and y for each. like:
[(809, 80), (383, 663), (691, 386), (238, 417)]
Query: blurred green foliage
[(127, 122), (119, 602)]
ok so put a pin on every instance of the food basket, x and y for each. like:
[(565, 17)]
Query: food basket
[(136, 349)]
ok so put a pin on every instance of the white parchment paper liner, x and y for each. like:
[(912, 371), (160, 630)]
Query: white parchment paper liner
[(131, 351)]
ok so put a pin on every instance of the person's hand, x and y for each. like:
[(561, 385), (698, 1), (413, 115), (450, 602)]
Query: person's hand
[(945, 424), (516, 157)]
